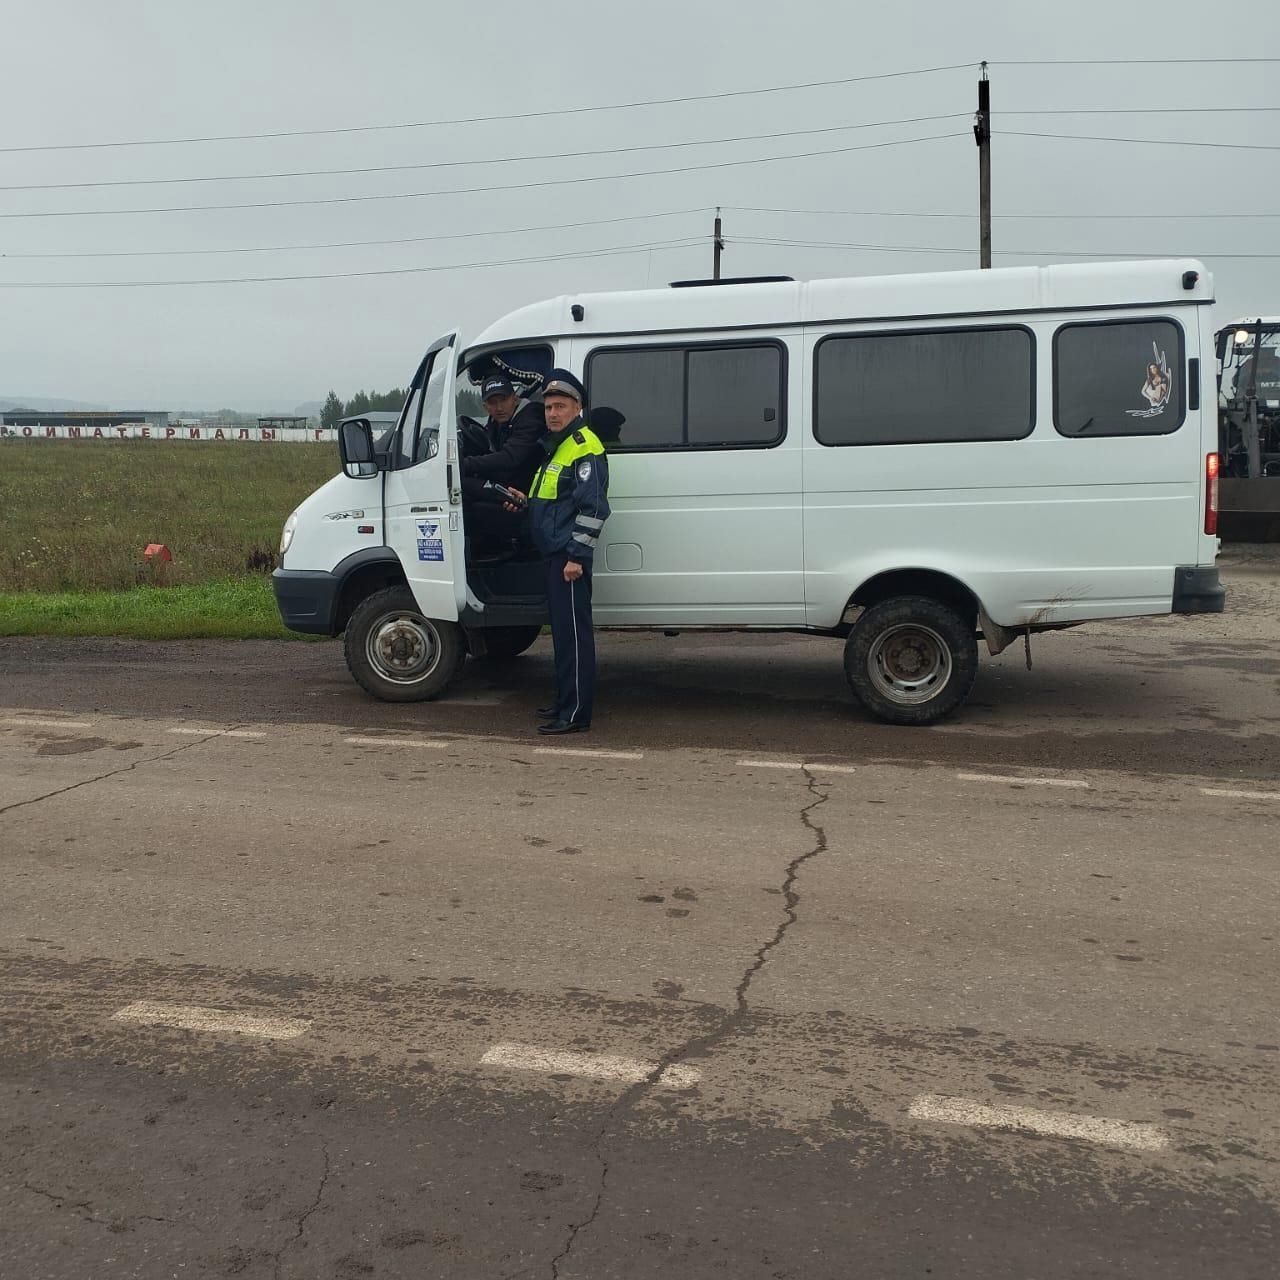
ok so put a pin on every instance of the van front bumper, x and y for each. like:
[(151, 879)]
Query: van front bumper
[(307, 599), (1197, 589)]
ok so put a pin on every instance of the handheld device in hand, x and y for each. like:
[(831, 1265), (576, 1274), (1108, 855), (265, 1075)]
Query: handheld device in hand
[(517, 500)]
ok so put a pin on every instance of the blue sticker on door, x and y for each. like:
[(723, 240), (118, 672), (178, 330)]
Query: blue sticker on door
[(430, 543)]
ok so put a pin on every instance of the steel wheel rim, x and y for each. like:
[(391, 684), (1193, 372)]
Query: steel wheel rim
[(403, 648), (909, 664)]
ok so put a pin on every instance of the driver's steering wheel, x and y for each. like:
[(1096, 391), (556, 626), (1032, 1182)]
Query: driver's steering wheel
[(472, 439)]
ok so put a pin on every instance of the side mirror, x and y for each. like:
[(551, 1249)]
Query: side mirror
[(355, 444)]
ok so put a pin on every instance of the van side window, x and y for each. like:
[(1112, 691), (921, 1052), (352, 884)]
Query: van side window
[(427, 440), (723, 396), (406, 432), (647, 388), (1118, 378), (924, 387)]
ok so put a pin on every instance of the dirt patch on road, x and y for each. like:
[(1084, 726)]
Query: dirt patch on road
[(71, 746)]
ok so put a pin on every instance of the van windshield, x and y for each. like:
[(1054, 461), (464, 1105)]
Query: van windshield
[(1239, 372)]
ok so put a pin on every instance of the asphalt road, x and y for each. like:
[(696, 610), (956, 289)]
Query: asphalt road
[(296, 984)]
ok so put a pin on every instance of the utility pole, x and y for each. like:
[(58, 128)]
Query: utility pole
[(717, 244), (982, 133)]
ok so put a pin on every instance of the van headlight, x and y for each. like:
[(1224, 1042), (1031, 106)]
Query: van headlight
[(286, 537)]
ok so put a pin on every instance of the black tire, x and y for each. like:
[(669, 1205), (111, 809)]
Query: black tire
[(501, 643), (398, 655), (911, 659)]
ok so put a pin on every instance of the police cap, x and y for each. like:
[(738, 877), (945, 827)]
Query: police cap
[(562, 382)]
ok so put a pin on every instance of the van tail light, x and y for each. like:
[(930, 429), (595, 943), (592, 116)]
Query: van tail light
[(1211, 465)]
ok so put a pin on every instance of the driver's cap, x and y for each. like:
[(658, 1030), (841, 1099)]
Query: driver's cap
[(496, 385)]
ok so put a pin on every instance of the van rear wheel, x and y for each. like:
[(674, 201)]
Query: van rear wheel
[(397, 654), (911, 659)]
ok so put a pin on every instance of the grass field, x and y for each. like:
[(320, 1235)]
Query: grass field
[(75, 517), (234, 608)]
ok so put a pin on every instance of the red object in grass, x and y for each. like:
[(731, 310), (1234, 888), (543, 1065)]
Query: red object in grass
[(157, 551)]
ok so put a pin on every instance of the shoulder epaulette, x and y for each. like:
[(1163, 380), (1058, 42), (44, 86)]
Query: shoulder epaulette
[(579, 438)]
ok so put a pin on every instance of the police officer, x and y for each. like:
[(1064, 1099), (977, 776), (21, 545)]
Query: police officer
[(568, 505)]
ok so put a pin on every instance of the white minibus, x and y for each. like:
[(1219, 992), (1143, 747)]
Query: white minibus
[(904, 463)]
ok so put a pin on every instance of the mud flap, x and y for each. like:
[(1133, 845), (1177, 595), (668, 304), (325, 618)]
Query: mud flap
[(998, 638)]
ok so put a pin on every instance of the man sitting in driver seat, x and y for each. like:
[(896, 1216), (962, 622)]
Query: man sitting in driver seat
[(514, 433)]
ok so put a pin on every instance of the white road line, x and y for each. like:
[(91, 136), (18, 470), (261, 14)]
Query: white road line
[(1027, 782), (588, 751), (1056, 1124), (192, 732), (394, 742), (28, 722), (196, 1017), (594, 1066), (1240, 795), (794, 764)]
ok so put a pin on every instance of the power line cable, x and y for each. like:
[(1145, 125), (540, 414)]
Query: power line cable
[(687, 242), (621, 106), (1120, 62), (915, 213), (454, 164), (505, 186), (635, 217), (1008, 252), (1155, 142), (1133, 111), (519, 115), (357, 244)]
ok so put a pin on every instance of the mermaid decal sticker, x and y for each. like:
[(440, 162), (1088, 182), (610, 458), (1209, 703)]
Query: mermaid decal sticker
[(1158, 387)]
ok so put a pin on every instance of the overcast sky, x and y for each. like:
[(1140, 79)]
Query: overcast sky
[(88, 72)]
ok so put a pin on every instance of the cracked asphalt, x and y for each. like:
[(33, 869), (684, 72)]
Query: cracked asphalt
[(436, 1002), (732, 1020)]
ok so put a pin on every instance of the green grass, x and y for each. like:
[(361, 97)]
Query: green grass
[(235, 608), (75, 517)]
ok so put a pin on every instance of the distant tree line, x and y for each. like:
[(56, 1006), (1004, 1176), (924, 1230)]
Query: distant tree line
[(362, 402), (468, 402)]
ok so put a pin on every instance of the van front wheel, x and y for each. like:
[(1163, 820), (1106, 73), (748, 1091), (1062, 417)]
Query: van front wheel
[(397, 654), (911, 660)]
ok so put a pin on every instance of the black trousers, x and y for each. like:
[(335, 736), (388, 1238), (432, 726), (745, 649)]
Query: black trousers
[(574, 640), (490, 526)]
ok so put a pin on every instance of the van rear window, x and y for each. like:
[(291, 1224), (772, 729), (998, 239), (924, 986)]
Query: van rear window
[(924, 387), (1118, 378)]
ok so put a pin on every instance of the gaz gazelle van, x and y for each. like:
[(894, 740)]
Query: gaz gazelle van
[(904, 463)]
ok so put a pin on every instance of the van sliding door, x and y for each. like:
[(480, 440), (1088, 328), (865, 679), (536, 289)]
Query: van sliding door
[(704, 474)]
